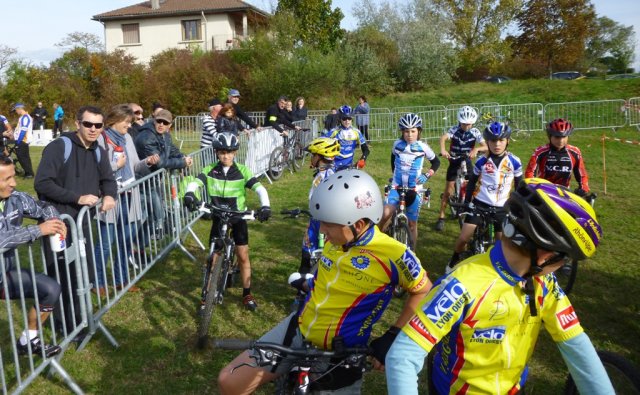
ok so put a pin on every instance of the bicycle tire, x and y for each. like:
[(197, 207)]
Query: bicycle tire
[(212, 285), (566, 276), (298, 156), (276, 164), (402, 234), (624, 376)]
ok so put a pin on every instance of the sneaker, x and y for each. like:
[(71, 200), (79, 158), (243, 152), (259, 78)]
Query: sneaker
[(37, 346), (250, 302), (440, 224)]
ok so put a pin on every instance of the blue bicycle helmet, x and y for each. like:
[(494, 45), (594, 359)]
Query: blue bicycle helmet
[(346, 112), (496, 131), (410, 120)]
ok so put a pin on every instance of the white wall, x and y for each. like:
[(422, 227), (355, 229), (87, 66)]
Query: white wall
[(158, 34)]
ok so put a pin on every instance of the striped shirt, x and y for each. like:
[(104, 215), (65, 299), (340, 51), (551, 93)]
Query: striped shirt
[(210, 128)]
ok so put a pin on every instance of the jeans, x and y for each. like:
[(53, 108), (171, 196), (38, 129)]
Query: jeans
[(403, 363), (125, 234)]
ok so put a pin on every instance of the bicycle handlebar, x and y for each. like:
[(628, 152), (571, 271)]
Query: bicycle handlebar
[(304, 352), (226, 213), (295, 213)]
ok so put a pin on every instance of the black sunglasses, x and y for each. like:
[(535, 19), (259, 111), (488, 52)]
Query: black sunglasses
[(162, 121), (89, 125)]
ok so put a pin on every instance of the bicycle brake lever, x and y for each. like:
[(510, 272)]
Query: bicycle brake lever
[(245, 364)]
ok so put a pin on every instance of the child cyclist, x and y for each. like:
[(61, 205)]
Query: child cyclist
[(354, 283), (225, 182), (497, 172), (557, 160), (407, 161), (465, 141), (480, 324), (349, 139), (323, 151)]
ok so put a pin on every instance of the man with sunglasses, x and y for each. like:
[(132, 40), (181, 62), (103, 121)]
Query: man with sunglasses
[(71, 180)]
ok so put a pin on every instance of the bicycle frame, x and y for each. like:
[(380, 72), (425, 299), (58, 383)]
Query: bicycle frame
[(484, 235), (288, 155), (459, 187)]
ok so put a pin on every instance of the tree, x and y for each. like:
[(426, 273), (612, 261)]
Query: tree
[(88, 41), (317, 25), (555, 31), (478, 27), (6, 55), (612, 46)]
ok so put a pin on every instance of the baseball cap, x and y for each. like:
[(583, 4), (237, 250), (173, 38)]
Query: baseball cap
[(234, 92), (17, 105), (164, 115), (214, 102)]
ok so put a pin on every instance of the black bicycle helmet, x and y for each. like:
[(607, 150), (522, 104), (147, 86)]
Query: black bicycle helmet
[(226, 142)]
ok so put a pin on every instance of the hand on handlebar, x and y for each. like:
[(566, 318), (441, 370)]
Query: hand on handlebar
[(469, 207), (191, 201), (381, 345), (264, 213), (298, 281)]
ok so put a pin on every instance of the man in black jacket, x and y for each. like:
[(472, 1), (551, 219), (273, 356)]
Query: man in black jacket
[(72, 175), (276, 116), (39, 116), (234, 98)]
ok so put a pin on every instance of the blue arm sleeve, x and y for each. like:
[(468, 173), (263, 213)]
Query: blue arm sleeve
[(585, 366), (403, 363)]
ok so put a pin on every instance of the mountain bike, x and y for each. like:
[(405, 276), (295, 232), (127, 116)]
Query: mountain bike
[(309, 364), (519, 129), (484, 236), (459, 188), (11, 151), (566, 275), (288, 156), (399, 223), (221, 266), (623, 375)]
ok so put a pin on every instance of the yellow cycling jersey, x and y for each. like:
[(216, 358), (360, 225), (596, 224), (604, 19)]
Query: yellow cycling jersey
[(478, 319), (352, 288)]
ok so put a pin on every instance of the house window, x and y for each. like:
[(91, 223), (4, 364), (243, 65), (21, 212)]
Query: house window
[(131, 33), (191, 30)]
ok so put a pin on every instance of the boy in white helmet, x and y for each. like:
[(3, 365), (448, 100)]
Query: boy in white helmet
[(354, 283)]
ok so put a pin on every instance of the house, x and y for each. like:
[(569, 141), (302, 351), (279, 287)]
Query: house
[(150, 27)]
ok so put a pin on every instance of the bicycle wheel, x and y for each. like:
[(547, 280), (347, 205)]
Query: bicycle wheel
[(212, 288), (402, 234), (566, 276), (298, 156), (623, 375), (276, 164)]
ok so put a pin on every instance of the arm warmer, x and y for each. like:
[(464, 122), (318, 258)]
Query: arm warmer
[(585, 366), (263, 195)]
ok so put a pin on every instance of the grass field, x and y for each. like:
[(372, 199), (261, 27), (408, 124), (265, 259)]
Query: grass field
[(156, 327)]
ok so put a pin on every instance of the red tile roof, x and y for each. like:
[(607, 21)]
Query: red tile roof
[(177, 7)]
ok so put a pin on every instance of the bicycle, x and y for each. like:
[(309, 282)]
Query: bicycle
[(519, 129), (566, 275), (309, 364), (218, 274), (484, 236), (399, 226), (459, 188), (289, 155), (11, 151), (624, 377)]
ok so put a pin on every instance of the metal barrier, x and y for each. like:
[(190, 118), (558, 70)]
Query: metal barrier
[(417, 109), (187, 128), (527, 117), (17, 370), (632, 110), (602, 114)]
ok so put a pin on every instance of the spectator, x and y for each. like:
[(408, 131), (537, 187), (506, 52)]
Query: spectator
[(155, 139), (229, 123), (125, 163), (300, 112), (138, 120), (39, 116), (362, 117), (75, 172), (234, 98), (14, 206), (349, 138), (211, 123), (23, 135), (276, 116), (6, 133), (156, 107), (331, 121), (58, 115)]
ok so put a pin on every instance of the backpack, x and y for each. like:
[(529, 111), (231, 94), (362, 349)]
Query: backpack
[(68, 145)]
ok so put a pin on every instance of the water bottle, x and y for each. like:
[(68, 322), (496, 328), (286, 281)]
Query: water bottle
[(117, 153)]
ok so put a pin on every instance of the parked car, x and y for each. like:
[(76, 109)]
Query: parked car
[(567, 75), (497, 79)]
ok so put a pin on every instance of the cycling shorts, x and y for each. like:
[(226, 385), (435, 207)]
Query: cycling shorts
[(412, 200), (239, 232), (454, 165), (476, 218)]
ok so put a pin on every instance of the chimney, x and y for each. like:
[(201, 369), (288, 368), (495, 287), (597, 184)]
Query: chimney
[(155, 4)]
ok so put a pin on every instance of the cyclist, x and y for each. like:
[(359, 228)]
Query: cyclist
[(323, 151), (557, 160), (483, 323), (497, 172), (407, 160), (465, 140), (225, 182), (356, 276), (349, 138)]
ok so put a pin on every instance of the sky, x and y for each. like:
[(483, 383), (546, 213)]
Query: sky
[(36, 35)]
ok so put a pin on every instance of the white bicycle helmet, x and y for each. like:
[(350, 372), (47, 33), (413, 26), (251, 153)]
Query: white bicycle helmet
[(346, 197), (409, 121), (467, 114)]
